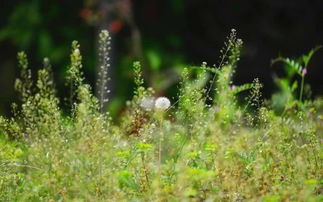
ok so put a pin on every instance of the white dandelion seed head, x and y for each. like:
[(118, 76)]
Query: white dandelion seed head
[(162, 103), (147, 103)]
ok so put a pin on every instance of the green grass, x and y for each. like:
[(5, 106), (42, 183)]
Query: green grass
[(205, 147)]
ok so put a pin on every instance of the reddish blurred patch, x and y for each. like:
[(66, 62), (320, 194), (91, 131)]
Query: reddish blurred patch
[(115, 26), (85, 13)]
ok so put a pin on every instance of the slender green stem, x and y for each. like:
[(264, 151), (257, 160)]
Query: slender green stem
[(160, 153), (160, 119), (302, 89), (145, 168)]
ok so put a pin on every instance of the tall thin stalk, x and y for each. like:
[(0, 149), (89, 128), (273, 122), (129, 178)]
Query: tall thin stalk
[(104, 59), (302, 88)]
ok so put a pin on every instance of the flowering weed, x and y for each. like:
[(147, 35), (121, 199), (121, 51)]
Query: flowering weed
[(202, 146)]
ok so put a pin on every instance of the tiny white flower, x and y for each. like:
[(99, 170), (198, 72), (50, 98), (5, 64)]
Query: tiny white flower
[(204, 64), (162, 103), (147, 103), (77, 52)]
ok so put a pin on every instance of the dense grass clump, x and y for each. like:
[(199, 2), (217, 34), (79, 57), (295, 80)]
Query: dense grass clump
[(202, 146)]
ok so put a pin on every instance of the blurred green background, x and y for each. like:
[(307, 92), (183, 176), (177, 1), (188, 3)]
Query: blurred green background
[(165, 35)]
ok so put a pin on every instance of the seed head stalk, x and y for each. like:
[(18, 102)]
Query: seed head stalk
[(104, 60)]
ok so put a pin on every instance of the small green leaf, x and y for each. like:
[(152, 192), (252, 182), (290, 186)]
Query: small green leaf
[(144, 147), (154, 59)]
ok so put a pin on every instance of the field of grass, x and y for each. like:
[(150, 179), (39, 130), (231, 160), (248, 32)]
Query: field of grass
[(207, 145)]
